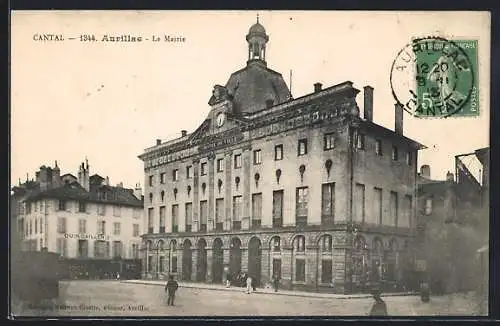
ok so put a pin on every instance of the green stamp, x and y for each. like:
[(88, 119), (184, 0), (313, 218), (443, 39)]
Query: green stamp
[(437, 78)]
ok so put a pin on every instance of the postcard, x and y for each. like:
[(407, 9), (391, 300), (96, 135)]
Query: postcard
[(249, 163)]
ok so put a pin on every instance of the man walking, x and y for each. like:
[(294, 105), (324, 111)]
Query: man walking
[(379, 307), (170, 288), (276, 282)]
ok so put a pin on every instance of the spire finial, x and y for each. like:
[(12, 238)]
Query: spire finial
[(257, 18), (56, 164)]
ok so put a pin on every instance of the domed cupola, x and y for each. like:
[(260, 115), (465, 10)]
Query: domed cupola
[(257, 39)]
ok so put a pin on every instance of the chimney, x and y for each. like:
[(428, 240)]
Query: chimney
[(317, 87), (120, 185), (368, 103), (42, 178), (56, 176), (398, 118), (425, 171), (158, 142), (107, 181), (138, 191), (184, 133), (450, 176)]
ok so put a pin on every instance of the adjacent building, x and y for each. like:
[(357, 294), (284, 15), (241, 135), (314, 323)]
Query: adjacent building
[(303, 188), (90, 223), (452, 224)]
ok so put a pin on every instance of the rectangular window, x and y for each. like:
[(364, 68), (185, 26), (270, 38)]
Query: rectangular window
[(302, 147), (150, 219), (326, 271), (407, 209), (302, 200), (359, 202), (256, 210), (108, 249), (203, 215), (300, 270), (36, 226), (61, 225), (257, 156), (36, 207), (162, 178), (136, 212), (329, 141), (175, 218), (101, 209), (62, 205), (135, 251), (378, 147), (277, 208), (151, 179), (82, 226), (327, 204), (175, 174), (189, 216), (117, 210), (394, 208), (189, 172), (409, 158), (360, 141), (101, 227), (219, 209), (237, 161), (394, 153), (220, 165), (116, 228), (174, 264), (135, 231), (117, 249), (83, 248), (237, 212), (203, 168), (82, 207), (377, 202), (28, 208), (162, 218), (278, 152)]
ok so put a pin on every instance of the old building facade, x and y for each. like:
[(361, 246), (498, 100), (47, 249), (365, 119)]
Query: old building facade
[(302, 188), (87, 221)]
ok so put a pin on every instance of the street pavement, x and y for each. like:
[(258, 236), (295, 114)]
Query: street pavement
[(115, 298)]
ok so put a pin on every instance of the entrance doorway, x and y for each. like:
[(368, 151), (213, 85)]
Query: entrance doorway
[(218, 261), (201, 263), (255, 259), (235, 256), (187, 261)]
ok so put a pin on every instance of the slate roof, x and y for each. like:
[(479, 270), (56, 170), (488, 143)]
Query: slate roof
[(253, 85), (74, 191)]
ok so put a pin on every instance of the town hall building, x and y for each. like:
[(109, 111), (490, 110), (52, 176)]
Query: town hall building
[(304, 189)]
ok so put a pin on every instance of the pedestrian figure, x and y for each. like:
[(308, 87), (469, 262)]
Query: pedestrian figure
[(249, 284), (379, 307), (424, 292), (276, 282), (228, 280), (118, 276), (170, 288), (254, 284)]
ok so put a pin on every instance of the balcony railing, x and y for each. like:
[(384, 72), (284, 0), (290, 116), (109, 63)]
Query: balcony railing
[(301, 221), (175, 228), (150, 230), (162, 229), (236, 225), (203, 228), (256, 224), (188, 228), (277, 222), (219, 226)]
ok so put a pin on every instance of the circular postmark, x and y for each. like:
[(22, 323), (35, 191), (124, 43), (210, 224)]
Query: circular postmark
[(432, 77)]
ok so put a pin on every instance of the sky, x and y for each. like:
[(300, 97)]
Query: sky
[(107, 102)]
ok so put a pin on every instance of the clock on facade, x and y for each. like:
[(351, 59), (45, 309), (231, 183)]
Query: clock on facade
[(221, 118)]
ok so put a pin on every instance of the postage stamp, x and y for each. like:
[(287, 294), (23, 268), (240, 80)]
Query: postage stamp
[(434, 77)]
